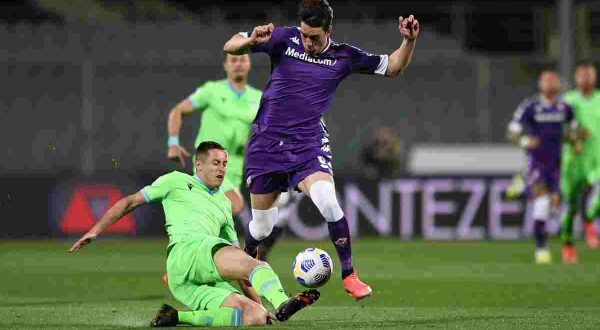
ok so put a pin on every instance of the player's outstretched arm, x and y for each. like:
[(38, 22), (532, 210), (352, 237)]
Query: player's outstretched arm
[(239, 45), (522, 140), (116, 212), (400, 58), (176, 152)]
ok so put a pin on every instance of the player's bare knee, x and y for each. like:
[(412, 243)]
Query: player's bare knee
[(539, 190), (555, 201), (237, 201), (238, 206)]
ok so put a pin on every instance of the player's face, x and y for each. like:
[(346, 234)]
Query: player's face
[(314, 39), (549, 83), (237, 66), (212, 169), (585, 77)]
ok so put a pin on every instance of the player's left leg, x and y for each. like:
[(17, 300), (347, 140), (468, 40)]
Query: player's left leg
[(234, 264), (320, 188), (591, 214), (208, 307), (541, 214)]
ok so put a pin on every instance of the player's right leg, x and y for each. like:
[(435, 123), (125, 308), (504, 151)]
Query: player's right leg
[(541, 213), (591, 214), (264, 217), (233, 264), (571, 187), (285, 208)]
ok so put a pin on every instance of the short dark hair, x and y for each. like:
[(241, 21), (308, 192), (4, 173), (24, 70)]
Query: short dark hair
[(316, 13), (205, 146)]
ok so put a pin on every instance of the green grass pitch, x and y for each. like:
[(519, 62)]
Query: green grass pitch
[(115, 284)]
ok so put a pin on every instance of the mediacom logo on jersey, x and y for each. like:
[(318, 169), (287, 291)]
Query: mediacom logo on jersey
[(307, 58)]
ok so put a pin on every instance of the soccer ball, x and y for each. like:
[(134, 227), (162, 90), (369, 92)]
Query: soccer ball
[(312, 267)]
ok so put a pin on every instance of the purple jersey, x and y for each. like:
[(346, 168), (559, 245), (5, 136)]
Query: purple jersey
[(301, 86), (534, 117)]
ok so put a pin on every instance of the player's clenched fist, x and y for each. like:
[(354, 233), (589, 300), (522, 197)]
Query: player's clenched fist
[(409, 27), (262, 33)]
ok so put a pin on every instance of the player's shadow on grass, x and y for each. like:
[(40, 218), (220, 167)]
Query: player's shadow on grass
[(431, 321), (50, 325), (70, 302)]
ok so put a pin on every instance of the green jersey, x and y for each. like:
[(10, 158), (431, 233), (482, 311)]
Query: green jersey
[(192, 210), (227, 119), (587, 113)]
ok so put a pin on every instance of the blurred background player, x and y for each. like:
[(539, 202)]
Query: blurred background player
[(203, 252), (538, 126), (228, 108), (289, 146), (383, 157), (582, 171)]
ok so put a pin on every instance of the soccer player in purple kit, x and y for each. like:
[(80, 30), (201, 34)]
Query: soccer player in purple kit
[(538, 126), (289, 145)]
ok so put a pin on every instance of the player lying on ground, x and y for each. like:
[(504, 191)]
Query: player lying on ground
[(579, 172), (289, 145), (202, 253), (538, 126)]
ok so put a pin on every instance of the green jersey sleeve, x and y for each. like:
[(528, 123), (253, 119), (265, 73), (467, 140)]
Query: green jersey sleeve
[(201, 97), (159, 189)]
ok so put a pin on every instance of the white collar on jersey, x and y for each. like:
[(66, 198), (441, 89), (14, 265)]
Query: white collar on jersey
[(329, 42)]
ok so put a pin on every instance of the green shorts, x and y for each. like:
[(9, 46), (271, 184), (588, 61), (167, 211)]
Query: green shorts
[(573, 179), (594, 175), (193, 276)]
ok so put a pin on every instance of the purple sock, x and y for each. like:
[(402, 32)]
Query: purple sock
[(539, 231), (339, 232)]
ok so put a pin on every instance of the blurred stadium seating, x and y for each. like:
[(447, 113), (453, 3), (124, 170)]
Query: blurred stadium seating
[(87, 87)]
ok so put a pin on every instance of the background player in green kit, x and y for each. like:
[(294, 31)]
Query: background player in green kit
[(203, 252), (228, 108), (583, 170)]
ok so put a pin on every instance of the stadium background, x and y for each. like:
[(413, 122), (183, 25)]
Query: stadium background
[(87, 86)]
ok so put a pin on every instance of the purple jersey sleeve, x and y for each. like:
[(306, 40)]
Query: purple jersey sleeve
[(521, 119), (271, 47), (363, 62)]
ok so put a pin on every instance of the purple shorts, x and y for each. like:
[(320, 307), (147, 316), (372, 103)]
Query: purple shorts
[(546, 174), (277, 165)]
